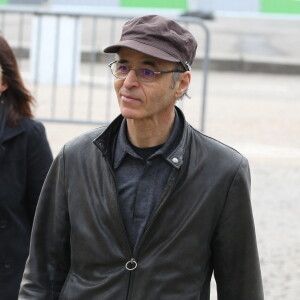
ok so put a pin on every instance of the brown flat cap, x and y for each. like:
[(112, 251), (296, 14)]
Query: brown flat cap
[(159, 37)]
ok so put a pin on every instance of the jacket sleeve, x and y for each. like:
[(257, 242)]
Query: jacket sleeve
[(49, 257), (235, 255), (39, 159)]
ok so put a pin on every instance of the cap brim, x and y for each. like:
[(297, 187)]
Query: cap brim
[(140, 47)]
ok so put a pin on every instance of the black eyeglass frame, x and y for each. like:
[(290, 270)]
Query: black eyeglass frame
[(154, 72)]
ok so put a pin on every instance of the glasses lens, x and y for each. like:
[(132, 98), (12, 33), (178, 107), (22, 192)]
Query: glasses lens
[(120, 71), (145, 74)]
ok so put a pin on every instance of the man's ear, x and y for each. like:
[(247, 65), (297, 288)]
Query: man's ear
[(182, 84)]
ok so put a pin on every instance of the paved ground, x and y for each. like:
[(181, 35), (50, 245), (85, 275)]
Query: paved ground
[(258, 114)]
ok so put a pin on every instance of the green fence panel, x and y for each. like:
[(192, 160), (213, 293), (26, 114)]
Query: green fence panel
[(3, 2), (155, 3), (281, 6)]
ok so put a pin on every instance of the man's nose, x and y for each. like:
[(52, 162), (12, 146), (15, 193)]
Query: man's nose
[(131, 79)]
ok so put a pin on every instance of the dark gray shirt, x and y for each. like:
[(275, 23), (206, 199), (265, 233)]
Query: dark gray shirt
[(141, 182)]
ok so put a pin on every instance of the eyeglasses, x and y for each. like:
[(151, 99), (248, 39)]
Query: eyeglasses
[(121, 71)]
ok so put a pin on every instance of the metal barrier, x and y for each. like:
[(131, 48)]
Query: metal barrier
[(60, 57)]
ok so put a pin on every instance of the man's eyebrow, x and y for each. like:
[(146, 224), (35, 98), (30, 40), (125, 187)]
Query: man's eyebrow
[(122, 61), (149, 63), (145, 62)]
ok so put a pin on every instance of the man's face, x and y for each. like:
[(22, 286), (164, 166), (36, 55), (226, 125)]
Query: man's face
[(145, 100)]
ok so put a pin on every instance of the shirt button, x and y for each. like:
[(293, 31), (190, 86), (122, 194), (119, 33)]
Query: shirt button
[(7, 265), (175, 160)]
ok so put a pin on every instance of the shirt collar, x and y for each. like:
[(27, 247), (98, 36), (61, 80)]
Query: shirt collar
[(122, 146), (169, 151)]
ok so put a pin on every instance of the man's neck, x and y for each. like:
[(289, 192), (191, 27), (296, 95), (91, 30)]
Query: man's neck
[(149, 133)]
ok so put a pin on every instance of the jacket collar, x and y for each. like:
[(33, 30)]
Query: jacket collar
[(11, 132), (123, 146), (106, 140)]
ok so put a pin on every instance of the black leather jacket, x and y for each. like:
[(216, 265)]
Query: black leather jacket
[(204, 223)]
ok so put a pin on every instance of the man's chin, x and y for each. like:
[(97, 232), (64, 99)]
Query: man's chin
[(129, 115)]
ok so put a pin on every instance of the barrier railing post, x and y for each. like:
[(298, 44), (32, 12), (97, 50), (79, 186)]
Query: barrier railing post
[(76, 18)]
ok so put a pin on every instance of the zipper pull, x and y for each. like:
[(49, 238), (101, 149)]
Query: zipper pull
[(131, 265)]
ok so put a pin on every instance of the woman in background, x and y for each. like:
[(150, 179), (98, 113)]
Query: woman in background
[(25, 158)]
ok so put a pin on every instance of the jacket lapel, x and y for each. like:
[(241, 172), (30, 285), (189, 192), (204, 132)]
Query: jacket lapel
[(11, 132)]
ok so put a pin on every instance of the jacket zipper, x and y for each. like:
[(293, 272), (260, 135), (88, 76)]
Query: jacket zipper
[(131, 264), (156, 213), (149, 225)]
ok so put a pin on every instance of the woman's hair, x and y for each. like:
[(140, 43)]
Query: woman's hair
[(18, 99)]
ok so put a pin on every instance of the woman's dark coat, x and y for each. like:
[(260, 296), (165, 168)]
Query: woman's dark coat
[(24, 162)]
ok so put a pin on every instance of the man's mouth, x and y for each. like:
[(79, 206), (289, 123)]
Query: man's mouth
[(128, 98)]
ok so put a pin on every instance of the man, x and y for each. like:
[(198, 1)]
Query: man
[(148, 207)]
